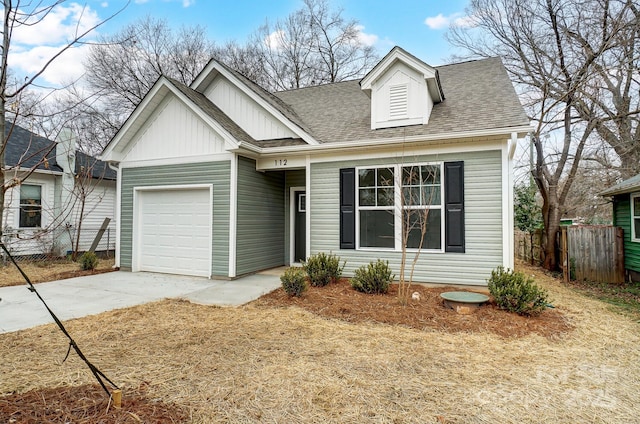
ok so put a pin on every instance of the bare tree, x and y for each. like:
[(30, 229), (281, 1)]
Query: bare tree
[(123, 67), (420, 189), (19, 14), (313, 45), (340, 53), (547, 60)]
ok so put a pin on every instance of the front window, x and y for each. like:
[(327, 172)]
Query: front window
[(635, 216), (30, 206), (400, 205), (376, 207), (421, 205)]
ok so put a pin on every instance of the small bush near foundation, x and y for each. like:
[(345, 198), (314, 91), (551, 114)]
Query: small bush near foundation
[(323, 269), (373, 278), (88, 261), (515, 292), (294, 281)]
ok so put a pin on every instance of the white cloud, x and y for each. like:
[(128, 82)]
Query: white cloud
[(187, 3), (276, 40), (366, 39), (457, 19), (65, 68), (465, 21), (63, 23), (32, 46), (104, 4), (437, 22)]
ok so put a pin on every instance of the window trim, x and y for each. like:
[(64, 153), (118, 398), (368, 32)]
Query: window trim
[(439, 206), (42, 195), (634, 237), (398, 209)]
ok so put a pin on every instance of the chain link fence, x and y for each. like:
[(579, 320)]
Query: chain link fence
[(40, 245)]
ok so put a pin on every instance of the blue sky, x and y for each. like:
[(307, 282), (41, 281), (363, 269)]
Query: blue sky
[(417, 26)]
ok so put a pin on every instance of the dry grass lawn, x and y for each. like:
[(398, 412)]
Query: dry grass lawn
[(285, 364), (40, 271)]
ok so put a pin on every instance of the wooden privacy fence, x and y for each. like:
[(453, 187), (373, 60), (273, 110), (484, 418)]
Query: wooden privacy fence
[(527, 246), (593, 253), (587, 252)]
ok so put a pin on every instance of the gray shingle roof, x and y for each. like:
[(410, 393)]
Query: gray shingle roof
[(479, 95), (26, 149), (626, 186)]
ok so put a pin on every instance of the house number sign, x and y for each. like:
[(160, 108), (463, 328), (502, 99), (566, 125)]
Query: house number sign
[(280, 162)]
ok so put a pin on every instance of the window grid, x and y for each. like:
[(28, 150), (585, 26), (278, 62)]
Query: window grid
[(430, 175)]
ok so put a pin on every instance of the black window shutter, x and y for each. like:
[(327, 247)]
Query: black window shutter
[(454, 206), (348, 208)]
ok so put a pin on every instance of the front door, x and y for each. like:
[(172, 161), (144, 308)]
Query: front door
[(300, 226)]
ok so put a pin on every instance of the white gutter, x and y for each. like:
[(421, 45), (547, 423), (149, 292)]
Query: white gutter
[(342, 145)]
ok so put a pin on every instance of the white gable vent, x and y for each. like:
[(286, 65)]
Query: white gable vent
[(398, 101)]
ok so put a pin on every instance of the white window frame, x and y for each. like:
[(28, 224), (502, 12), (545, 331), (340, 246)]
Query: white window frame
[(42, 197), (634, 237), (397, 207), (376, 208), (439, 206)]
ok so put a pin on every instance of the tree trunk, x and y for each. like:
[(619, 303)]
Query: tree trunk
[(551, 228)]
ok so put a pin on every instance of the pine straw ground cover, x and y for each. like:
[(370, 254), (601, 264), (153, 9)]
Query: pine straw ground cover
[(40, 271), (273, 361)]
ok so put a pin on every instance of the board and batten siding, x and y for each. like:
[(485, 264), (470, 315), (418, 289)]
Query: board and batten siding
[(244, 111), (174, 131), (622, 218), (215, 173), (260, 223), (293, 178), (483, 221)]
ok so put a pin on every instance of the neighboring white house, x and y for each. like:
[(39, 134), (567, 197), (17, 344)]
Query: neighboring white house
[(42, 214), (223, 179)]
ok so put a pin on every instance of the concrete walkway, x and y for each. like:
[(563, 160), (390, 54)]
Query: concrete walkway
[(82, 296)]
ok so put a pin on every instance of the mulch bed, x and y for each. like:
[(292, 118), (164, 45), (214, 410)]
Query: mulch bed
[(86, 404), (341, 301)]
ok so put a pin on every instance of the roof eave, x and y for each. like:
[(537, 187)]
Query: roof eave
[(520, 130)]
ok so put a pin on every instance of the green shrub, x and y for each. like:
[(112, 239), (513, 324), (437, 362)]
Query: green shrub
[(373, 278), (88, 261), (294, 281), (323, 269), (515, 292)]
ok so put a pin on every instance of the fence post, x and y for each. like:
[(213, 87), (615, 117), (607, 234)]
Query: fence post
[(564, 255)]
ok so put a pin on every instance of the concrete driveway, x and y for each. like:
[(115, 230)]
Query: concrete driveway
[(82, 296)]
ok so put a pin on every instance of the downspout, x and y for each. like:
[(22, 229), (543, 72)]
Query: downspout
[(114, 166)]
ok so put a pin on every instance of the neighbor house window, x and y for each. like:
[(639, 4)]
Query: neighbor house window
[(376, 207), (30, 206), (422, 206), (397, 203), (635, 216)]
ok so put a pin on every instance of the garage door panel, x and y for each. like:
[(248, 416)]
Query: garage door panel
[(175, 231)]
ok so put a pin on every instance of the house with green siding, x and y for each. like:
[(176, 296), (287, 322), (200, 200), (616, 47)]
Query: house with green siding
[(625, 197), (222, 178)]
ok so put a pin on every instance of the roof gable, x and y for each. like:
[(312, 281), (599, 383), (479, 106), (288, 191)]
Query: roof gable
[(274, 109), (196, 103), (397, 54)]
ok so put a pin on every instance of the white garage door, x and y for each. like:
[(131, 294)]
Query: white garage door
[(174, 231)]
